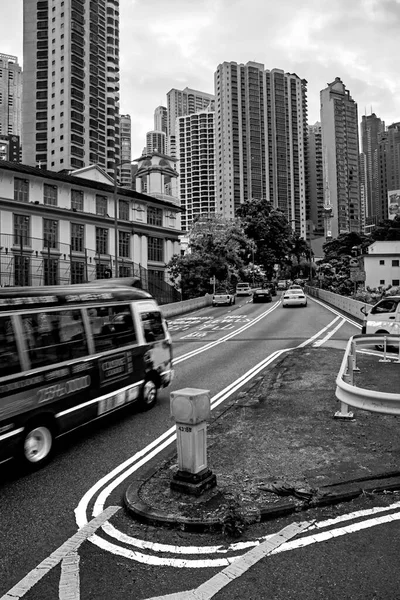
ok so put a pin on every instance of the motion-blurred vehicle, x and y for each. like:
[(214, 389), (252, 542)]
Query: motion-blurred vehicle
[(262, 295), (383, 317), (243, 289), (223, 297), (271, 287), (294, 298)]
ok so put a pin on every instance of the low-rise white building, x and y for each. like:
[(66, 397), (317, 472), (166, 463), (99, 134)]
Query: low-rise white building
[(382, 264), (61, 228)]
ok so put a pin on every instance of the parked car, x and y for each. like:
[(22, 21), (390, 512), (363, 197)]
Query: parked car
[(223, 297), (294, 298), (262, 295), (243, 289), (383, 317)]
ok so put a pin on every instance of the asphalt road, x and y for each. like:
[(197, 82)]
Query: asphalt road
[(213, 348)]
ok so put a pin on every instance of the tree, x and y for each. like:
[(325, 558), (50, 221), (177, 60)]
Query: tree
[(217, 247), (387, 230), (269, 229)]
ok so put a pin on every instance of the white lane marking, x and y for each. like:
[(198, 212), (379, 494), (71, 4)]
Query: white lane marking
[(317, 335), (69, 584), (335, 312), (109, 529), (329, 334), (225, 337), (208, 589), (70, 546)]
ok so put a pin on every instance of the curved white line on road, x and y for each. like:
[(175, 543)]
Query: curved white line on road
[(144, 455)]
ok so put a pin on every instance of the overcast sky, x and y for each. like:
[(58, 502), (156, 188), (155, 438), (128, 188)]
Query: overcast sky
[(168, 44)]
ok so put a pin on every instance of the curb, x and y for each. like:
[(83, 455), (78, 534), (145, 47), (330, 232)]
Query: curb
[(325, 496)]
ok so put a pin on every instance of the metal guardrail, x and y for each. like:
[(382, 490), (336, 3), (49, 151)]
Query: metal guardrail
[(357, 397)]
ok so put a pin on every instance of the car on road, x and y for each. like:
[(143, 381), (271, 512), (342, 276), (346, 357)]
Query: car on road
[(282, 285), (262, 295), (243, 289), (294, 298), (223, 297), (295, 286), (383, 317)]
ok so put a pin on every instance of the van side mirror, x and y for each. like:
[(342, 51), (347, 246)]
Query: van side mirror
[(363, 310)]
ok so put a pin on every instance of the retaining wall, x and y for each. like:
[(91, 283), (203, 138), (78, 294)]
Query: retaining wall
[(347, 305), (178, 308)]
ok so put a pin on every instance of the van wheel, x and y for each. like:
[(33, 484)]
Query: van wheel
[(37, 444), (148, 395)]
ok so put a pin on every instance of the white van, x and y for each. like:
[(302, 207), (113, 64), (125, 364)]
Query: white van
[(384, 317), (243, 289)]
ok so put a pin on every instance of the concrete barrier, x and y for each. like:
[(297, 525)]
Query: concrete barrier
[(179, 308), (343, 303)]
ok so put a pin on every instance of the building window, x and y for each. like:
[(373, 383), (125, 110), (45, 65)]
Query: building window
[(381, 262), (381, 282), (101, 205), (21, 190), (101, 240), (22, 270), (77, 200), (77, 271), (155, 249), (50, 233), (103, 271), (77, 237), (396, 282), (124, 210), (154, 216), (50, 194), (123, 244), (50, 271), (21, 230), (395, 263)]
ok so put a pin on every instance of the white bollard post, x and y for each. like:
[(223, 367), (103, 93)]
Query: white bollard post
[(190, 407)]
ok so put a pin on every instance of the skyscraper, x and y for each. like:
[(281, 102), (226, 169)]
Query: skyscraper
[(126, 151), (196, 154), (181, 103), (261, 140), (161, 119), (340, 150), (10, 95), (371, 128), (156, 142), (316, 179), (387, 169), (71, 84)]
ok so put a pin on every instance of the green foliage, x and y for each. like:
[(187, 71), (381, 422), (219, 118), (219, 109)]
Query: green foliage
[(270, 230), (386, 231), (217, 247)]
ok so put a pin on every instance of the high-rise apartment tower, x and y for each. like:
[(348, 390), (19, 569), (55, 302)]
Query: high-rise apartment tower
[(316, 179), (340, 150), (371, 128), (71, 84), (261, 140), (126, 151), (10, 95), (161, 119), (196, 154), (181, 103)]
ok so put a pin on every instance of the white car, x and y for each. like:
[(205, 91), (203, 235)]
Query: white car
[(243, 289), (294, 297), (223, 297)]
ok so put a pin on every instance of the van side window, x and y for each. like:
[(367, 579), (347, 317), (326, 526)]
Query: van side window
[(152, 326), (9, 359), (54, 337), (386, 306), (112, 327)]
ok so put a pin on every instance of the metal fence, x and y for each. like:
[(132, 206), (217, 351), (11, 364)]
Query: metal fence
[(29, 261)]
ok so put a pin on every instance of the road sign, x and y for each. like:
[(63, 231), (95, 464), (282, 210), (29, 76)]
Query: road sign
[(357, 274)]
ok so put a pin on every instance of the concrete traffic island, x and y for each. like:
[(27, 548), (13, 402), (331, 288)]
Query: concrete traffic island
[(276, 449)]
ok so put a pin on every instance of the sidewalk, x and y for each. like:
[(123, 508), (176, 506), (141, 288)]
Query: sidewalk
[(276, 448)]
